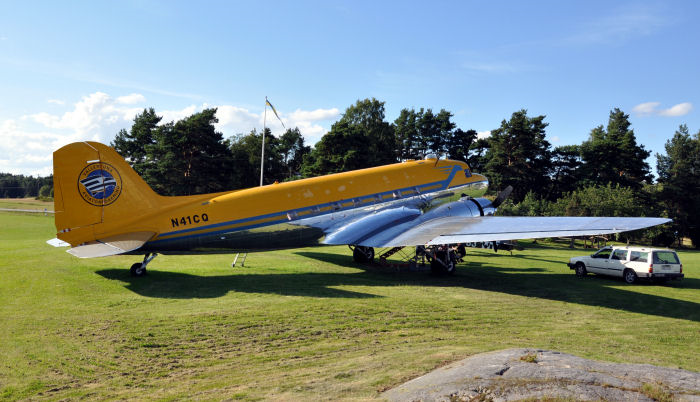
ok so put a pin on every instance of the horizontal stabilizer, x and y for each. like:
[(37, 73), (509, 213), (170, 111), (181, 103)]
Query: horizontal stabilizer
[(449, 230), (113, 245), (56, 242)]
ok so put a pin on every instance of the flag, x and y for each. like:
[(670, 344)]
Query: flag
[(273, 109)]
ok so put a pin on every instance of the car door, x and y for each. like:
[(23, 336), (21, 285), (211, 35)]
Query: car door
[(616, 262), (598, 261)]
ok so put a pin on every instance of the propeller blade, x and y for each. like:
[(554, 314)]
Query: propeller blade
[(502, 196)]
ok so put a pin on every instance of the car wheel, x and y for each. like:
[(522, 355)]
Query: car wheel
[(580, 270), (629, 276)]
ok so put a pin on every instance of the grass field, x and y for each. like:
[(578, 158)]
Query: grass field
[(25, 203), (306, 323)]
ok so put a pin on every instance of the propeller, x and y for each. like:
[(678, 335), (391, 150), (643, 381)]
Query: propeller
[(502, 196)]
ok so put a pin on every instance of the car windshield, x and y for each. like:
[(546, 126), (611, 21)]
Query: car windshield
[(665, 257)]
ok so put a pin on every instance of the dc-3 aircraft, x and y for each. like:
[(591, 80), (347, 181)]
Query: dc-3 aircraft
[(102, 207)]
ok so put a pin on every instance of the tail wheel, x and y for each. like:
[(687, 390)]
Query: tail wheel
[(580, 269), (138, 269), (629, 276)]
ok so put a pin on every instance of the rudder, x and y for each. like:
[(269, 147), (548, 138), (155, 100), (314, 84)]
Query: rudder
[(95, 188)]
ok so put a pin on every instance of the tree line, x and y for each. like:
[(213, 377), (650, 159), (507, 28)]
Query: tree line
[(605, 175), (21, 186)]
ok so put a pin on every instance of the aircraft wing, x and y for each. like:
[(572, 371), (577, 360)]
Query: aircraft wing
[(461, 229)]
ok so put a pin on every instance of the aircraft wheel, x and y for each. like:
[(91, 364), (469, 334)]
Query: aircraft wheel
[(580, 270), (138, 269), (444, 263), (629, 276), (363, 254)]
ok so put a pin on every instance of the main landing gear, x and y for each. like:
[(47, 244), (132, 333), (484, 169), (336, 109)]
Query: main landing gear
[(443, 260), (362, 254), (139, 268)]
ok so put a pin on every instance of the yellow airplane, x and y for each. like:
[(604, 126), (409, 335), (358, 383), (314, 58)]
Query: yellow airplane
[(102, 207)]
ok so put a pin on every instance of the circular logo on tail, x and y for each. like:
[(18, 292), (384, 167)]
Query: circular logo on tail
[(99, 184)]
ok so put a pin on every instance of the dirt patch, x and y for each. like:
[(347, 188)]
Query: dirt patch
[(517, 374)]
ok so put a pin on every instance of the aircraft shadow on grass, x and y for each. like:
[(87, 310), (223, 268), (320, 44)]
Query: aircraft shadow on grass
[(533, 282), (177, 285), (530, 282)]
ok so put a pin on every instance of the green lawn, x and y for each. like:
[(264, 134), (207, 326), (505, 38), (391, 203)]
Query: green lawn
[(306, 323), (25, 203)]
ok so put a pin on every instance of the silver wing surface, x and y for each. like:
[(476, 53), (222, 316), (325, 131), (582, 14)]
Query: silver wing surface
[(462, 229)]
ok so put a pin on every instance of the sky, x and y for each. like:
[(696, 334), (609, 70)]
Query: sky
[(81, 70)]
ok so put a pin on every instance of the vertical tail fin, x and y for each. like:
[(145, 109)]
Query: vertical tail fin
[(95, 186)]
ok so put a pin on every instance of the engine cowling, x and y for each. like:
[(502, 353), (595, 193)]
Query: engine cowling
[(466, 206)]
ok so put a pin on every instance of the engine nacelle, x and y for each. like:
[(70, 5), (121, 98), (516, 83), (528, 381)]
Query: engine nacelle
[(466, 206)]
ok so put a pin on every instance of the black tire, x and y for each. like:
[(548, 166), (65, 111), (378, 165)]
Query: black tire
[(363, 254), (629, 276), (138, 269), (448, 268), (580, 269)]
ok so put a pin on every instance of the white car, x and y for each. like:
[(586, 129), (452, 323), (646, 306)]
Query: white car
[(630, 263)]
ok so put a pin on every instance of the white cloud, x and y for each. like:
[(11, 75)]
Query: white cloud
[(26, 152), (680, 109), (235, 120), (175, 115), (131, 99), (619, 26), (27, 142), (483, 134), (650, 109), (314, 115), (645, 109), (57, 102)]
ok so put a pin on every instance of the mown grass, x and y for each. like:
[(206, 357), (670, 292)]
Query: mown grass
[(306, 323), (25, 203)]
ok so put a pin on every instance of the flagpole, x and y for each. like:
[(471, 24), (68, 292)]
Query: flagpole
[(262, 153)]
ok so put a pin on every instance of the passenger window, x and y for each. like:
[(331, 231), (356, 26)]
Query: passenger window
[(665, 257), (620, 255), (641, 256), (602, 254)]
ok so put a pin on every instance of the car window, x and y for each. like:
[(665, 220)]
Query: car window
[(641, 256), (604, 253), (620, 255), (665, 257)]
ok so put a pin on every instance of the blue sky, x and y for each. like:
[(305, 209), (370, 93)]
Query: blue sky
[(73, 71)]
